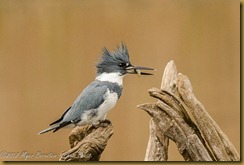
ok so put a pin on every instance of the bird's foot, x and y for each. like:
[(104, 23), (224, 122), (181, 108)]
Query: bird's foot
[(102, 123)]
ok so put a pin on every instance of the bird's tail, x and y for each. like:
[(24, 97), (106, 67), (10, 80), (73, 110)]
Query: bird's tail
[(53, 127)]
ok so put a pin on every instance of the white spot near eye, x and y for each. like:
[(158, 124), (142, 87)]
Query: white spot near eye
[(127, 64)]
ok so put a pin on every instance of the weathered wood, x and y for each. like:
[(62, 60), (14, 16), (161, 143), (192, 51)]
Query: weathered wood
[(170, 120), (219, 143), (87, 143), (157, 148)]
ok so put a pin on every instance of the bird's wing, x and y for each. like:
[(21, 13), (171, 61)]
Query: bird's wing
[(91, 98)]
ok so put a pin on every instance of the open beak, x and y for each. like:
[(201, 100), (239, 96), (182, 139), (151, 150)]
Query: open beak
[(138, 70)]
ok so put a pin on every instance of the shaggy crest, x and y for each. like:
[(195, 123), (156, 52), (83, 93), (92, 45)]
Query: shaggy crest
[(113, 58)]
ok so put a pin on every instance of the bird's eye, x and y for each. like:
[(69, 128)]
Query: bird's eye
[(122, 64)]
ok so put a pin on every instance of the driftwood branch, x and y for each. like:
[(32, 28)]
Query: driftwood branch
[(172, 118), (87, 143)]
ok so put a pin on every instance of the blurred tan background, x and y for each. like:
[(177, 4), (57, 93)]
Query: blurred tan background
[(48, 52)]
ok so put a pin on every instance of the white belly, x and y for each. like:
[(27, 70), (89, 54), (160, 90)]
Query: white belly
[(93, 115)]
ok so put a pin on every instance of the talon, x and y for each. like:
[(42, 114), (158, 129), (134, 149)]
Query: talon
[(102, 123), (107, 121)]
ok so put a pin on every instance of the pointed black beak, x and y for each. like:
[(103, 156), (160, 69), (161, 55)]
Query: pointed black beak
[(137, 70)]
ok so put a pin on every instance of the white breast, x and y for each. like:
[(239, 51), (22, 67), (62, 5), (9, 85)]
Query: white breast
[(110, 101)]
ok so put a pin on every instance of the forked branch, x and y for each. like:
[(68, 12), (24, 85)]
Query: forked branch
[(200, 141)]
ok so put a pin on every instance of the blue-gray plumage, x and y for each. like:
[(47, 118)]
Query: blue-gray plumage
[(99, 97)]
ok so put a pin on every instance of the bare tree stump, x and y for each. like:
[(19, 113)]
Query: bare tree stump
[(87, 143), (171, 120)]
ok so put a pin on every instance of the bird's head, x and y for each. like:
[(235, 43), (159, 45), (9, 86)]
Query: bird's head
[(118, 61)]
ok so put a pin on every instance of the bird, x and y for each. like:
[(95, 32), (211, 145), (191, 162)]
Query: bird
[(101, 95)]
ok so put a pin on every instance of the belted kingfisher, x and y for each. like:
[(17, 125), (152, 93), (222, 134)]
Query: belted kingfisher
[(99, 97)]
